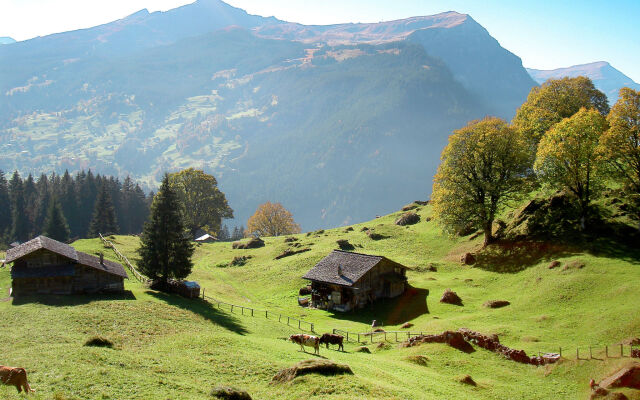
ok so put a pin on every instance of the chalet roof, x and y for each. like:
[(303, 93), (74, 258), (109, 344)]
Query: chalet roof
[(41, 242), (107, 266), (352, 267), (204, 237)]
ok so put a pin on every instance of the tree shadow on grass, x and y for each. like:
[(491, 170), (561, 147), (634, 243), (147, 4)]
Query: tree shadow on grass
[(202, 308), (71, 299), (410, 305), (510, 257)]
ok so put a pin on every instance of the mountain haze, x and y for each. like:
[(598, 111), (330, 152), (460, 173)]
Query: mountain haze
[(605, 77), (337, 122)]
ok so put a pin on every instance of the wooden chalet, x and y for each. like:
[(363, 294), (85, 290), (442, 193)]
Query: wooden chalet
[(46, 266), (344, 281)]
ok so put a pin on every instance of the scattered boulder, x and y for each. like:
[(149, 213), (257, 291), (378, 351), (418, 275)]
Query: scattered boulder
[(453, 339), (418, 359), (428, 219), (305, 291), (554, 264), (451, 297), (406, 325), (320, 232), (466, 231), (410, 207), (364, 229), (468, 259), (344, 244), (321, 367), (421, 203), (375, 236), (363, 349), (290, 239), (408, 218), (253, 243), (239, 261), (349, 229), (229, 393), (98, 341), (628, 377), (468, 380), (496, 303), (291, 252), (383, 346)]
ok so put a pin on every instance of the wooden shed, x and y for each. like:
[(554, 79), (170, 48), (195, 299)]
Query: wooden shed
[(46, 266), (344, 281)]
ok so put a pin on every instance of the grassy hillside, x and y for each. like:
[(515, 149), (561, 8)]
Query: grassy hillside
[(168, 347)]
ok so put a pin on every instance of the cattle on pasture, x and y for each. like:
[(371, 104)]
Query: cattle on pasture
[(329, 338), (306, 340), (15, 377)]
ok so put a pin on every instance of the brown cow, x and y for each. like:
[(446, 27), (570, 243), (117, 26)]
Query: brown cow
[(328, 338), (15, 377), (306, 340)]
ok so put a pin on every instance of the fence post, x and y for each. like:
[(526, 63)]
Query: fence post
[(334, 331), (287, 321), (396, 337), (590, 353), (560, 352), (577, 353), (621, 351), (252, 312), (312, 329), (266, 314), (232, 308), (385, 336), (298, 324), (279, 317), (358, 338), (606, 350)]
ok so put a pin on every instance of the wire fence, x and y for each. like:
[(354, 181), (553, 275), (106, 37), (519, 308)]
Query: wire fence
[(124, 259), (270, 315)]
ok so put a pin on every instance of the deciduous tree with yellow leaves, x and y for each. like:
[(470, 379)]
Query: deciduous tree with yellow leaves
[(272, 219), (483, 166)]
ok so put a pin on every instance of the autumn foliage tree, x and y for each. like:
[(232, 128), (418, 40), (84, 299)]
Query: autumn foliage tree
[(272, 219), (620, 144), (203, 204), (483, 166), (554, 100), (568, 159)]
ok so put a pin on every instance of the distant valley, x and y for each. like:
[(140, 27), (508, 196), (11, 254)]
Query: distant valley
[(338, 123)]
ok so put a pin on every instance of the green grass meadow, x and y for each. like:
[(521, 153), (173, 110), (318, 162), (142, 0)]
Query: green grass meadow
[(167, 347)]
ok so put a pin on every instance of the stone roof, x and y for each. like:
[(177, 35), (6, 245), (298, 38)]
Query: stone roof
[(344, 268), (41, 242)]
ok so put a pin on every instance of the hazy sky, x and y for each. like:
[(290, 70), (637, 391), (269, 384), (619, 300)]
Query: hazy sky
[(546, 34)]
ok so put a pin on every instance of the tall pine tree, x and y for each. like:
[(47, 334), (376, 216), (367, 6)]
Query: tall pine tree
[(55, 225), (165, 250), (5, 207), (20, 228), (104, 214)]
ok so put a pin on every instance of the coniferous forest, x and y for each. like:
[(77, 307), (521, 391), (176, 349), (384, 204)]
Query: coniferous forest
[(29, 206)]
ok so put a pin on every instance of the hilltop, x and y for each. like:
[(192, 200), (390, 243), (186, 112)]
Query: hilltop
[(166, 346), (276, 111)]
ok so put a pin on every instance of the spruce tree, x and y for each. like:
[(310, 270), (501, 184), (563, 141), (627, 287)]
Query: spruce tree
[(104, 214), (55, 225), (165, 250), (20, 229), (5, 207)]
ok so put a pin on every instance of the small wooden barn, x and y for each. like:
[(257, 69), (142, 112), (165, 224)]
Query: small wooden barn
[(46, 266), (344, 281)]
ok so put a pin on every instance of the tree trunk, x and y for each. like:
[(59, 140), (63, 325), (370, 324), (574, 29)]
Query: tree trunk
[(488, 236)]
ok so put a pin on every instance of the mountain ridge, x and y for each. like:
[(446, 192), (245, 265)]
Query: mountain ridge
[(604, 76)]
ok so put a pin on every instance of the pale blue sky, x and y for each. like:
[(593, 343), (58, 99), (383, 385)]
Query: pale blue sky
[(546, 34)]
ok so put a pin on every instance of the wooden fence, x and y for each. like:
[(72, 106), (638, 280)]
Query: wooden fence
[(384, 336), (124, 259), (270, 315)]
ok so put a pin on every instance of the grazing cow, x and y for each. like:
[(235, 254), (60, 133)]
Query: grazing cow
[(329, 338), (306, 340), (15, 377)]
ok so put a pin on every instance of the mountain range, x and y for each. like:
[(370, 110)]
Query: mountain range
[(605, 77), (336, 122), (6, 40)]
